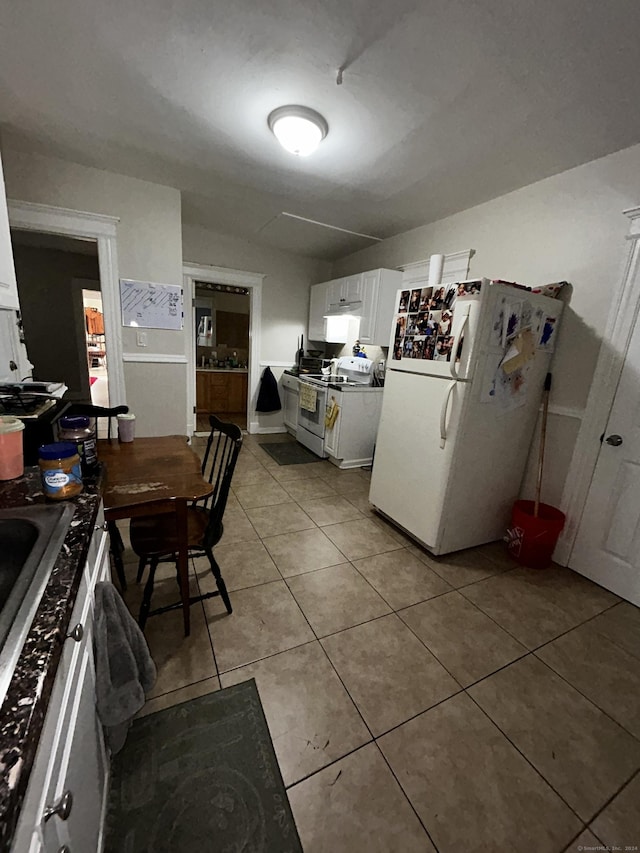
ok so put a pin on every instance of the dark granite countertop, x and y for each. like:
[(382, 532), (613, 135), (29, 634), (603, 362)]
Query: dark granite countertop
[(23, 711)]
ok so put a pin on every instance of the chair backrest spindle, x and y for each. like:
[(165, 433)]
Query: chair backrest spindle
[(218, 465)]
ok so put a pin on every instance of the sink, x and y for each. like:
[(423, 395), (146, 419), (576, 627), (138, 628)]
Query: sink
[(30, 541)]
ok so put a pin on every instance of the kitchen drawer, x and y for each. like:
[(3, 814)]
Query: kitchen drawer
[(289, 381)]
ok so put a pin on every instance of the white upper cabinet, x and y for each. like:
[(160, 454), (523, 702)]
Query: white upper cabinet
[(378, 303), (323, 297), (8, 286), (372, 297), (318, 303), (352, 288)]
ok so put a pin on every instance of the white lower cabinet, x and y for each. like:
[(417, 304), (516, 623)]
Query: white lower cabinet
[(64, 807), (351, 440)]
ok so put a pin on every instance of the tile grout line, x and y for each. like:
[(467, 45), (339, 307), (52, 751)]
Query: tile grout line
[(584, 696), (530, 763), (406, 796), (206, 622), (635, 774), (513, 636)]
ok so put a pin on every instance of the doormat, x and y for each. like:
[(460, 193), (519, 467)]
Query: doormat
[(289, 453), (200, 776)]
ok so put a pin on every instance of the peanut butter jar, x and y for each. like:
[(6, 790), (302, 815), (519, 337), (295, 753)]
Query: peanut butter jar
[(60, 470)]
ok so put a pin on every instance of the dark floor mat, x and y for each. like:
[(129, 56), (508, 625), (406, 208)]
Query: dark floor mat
[(289, 453), (201, 776)]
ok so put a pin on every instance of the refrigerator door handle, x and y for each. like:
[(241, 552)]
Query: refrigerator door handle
[(443, 415), (452, 364)]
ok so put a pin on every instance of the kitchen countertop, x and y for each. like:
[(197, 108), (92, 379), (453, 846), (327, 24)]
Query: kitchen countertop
[(222, 370), (23, 711), (337, 386)]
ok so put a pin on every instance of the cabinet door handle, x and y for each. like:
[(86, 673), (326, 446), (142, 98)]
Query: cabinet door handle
[(76, 633), (103, 526), (62, 808)]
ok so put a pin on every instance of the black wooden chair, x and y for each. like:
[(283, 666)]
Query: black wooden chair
[(155, 539), (88, 410)]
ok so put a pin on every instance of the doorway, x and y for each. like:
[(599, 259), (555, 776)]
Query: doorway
[(53, 274), (96, 347), (99, 229), (250, 281), (602, 495), (221, 319)]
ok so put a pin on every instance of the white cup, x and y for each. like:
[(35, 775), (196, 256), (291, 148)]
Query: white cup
[(126, 427)]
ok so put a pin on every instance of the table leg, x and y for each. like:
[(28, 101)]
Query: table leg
[(116, 548), (183, 566)]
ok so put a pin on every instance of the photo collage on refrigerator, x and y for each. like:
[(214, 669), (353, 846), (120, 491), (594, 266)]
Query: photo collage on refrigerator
[(424, 321)]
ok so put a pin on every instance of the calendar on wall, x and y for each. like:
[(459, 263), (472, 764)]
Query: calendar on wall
[(151, 306)]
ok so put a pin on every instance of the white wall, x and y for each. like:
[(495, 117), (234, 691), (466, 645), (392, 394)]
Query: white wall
[(149, 248), (285, 292), (568, 227)]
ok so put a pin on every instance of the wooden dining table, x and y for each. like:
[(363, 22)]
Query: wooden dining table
[(151, 476)]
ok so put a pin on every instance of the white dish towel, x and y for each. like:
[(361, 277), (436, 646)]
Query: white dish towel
[(308, 397)]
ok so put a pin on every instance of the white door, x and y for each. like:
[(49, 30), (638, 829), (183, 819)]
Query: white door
[(607, 548)]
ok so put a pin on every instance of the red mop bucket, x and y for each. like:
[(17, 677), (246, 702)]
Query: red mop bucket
[(532, 539)]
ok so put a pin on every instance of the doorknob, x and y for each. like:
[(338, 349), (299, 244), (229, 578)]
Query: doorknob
[(615, 440)]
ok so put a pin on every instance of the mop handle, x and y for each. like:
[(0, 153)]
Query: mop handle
[(543, 438)]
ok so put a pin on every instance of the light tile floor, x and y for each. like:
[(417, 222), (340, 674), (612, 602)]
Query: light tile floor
[(415, 703)]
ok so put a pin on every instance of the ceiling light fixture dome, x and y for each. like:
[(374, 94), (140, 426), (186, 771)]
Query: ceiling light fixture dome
[(298, 129)]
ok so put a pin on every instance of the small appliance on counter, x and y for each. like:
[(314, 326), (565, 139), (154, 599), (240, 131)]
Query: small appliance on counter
[(38, 405), (311, 362)]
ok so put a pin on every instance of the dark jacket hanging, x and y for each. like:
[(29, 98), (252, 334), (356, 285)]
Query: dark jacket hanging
[(268, 396)]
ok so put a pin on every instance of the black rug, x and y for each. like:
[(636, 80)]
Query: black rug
[(200, 777), (289, 452)]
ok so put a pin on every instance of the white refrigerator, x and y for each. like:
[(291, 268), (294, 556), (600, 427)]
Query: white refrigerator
[(465, 375)]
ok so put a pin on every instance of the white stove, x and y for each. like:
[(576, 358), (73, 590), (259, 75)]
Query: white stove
[(353, 375)]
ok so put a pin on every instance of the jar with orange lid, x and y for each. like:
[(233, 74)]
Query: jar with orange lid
[(60, 470)]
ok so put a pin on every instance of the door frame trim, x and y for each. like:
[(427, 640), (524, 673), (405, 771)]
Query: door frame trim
[(240, 278), (29, 216), (623, 313)]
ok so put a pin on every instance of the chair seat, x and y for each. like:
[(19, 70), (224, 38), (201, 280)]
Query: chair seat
[(156, 536)]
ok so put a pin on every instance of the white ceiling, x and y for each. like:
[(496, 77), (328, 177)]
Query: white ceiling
[(444, 104)]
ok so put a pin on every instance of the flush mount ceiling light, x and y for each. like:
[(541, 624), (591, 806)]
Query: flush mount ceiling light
[(298, 129)]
